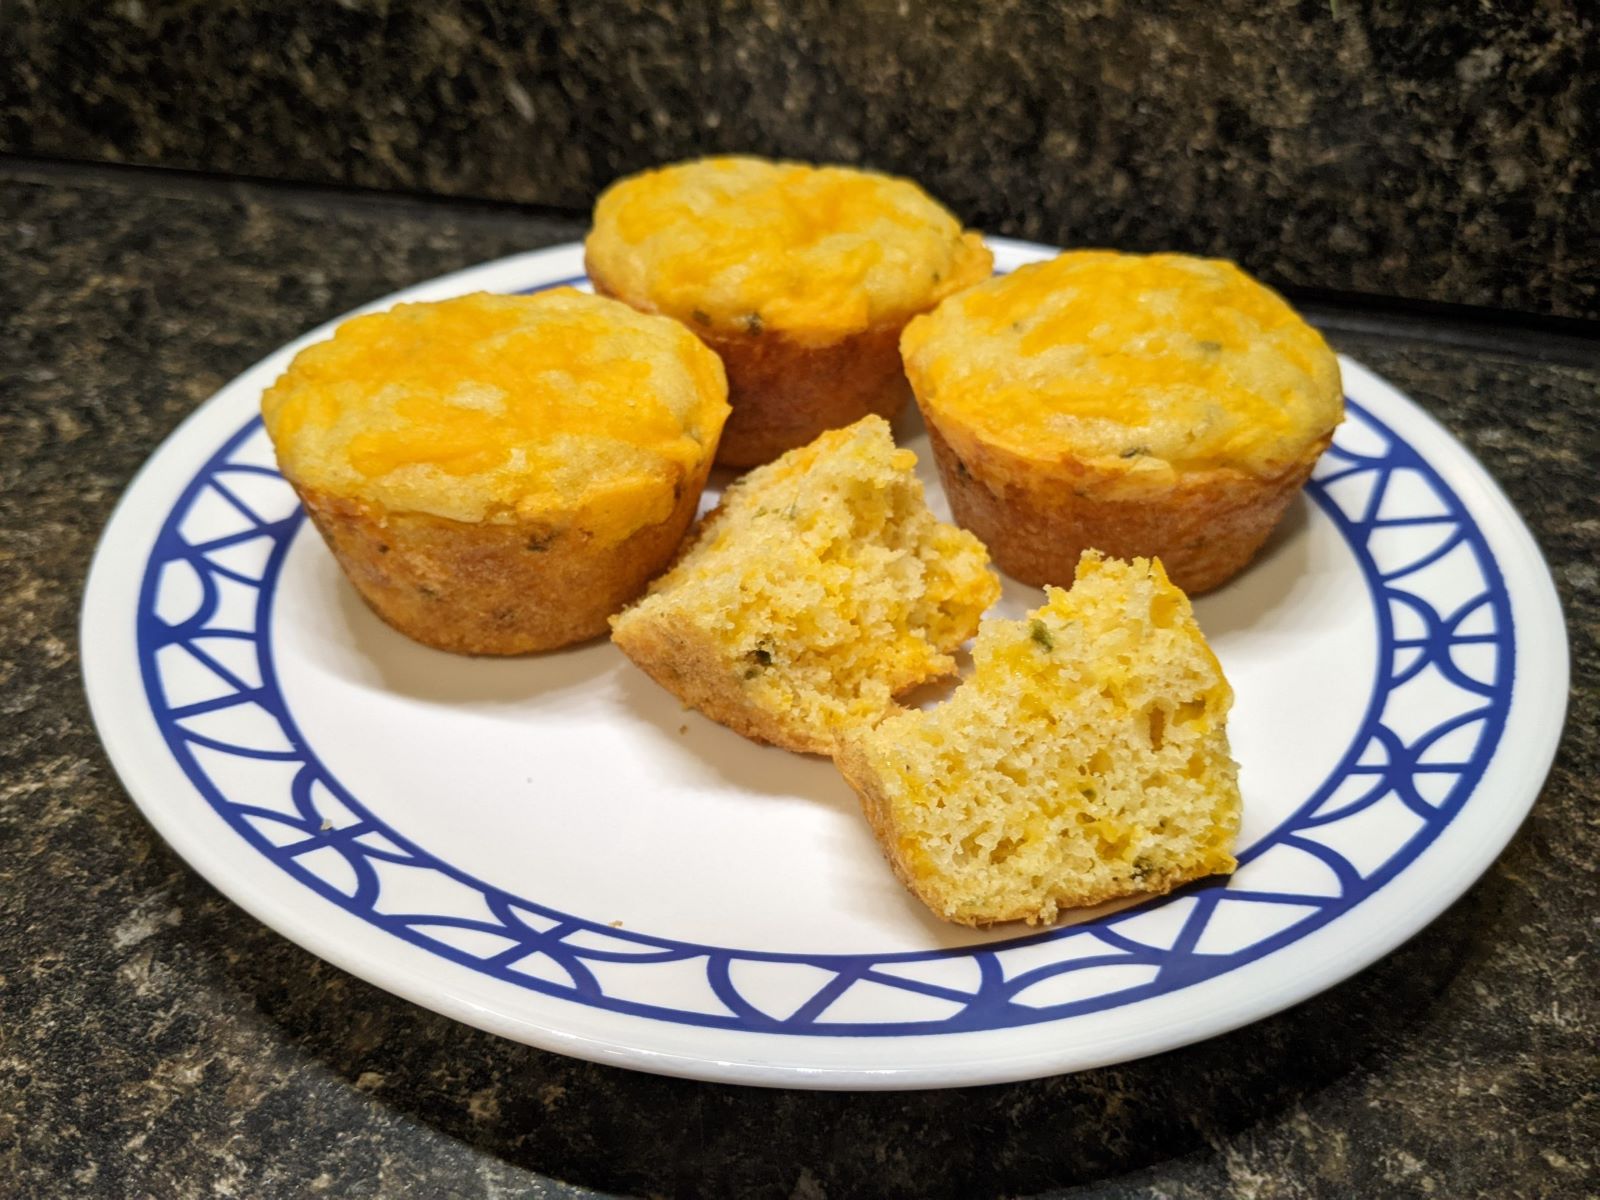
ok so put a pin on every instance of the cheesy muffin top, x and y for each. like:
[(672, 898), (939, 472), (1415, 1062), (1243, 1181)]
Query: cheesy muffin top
[(746, 245), (1140, 365), (503, 408)]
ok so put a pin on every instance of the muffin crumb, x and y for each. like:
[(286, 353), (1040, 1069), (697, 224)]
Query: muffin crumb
[(1097, 769), (791, 638)]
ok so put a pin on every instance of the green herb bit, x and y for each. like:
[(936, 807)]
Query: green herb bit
[(753, 324), (700, 315), (1040, 632), (762, 655), (1211, 347), (1135, 451)]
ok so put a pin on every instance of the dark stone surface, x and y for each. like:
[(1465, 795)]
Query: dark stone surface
[(156, 1041), (1440, 152)]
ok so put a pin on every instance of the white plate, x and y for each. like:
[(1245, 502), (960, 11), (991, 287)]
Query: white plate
[(550, 848)]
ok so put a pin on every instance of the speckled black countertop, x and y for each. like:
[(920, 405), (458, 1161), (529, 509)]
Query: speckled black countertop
[(1446, 152), (156, 1041)]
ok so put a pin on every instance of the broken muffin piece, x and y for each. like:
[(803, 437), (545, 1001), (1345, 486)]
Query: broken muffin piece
[(1086, 758), (819, 590)]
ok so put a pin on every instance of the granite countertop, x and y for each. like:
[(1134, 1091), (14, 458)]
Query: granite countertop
[(1443, 152), (155, 1040)]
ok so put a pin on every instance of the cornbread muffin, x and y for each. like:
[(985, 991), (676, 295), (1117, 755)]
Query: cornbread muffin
[(1159, 405), (801, 278), (1085, 759), (500, 474), (817, 591)]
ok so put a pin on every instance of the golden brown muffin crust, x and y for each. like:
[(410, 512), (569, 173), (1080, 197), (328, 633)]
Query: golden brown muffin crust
[(785, 395), (1205, 528), (507, 588)]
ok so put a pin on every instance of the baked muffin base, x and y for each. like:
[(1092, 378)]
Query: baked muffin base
[(784, 394), (487, 588), (1205, 528)]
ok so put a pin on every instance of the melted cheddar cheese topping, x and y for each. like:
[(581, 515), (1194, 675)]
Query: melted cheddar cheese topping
[(747, 245), (498, 408), (1140, 364)]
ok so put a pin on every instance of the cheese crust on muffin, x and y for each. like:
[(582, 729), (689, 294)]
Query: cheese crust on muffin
[(800, 277), (1085, 759), (1141, 405), (498, 474)]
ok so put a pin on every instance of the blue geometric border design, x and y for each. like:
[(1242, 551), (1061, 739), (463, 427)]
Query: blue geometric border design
[(1441, 611)]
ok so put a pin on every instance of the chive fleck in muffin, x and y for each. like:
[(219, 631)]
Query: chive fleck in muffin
[(1139, 405), (800, 277), (499, 474)]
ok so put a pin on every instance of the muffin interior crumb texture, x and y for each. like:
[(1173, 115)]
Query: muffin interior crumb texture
[(821, 588), (1085, 759)]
